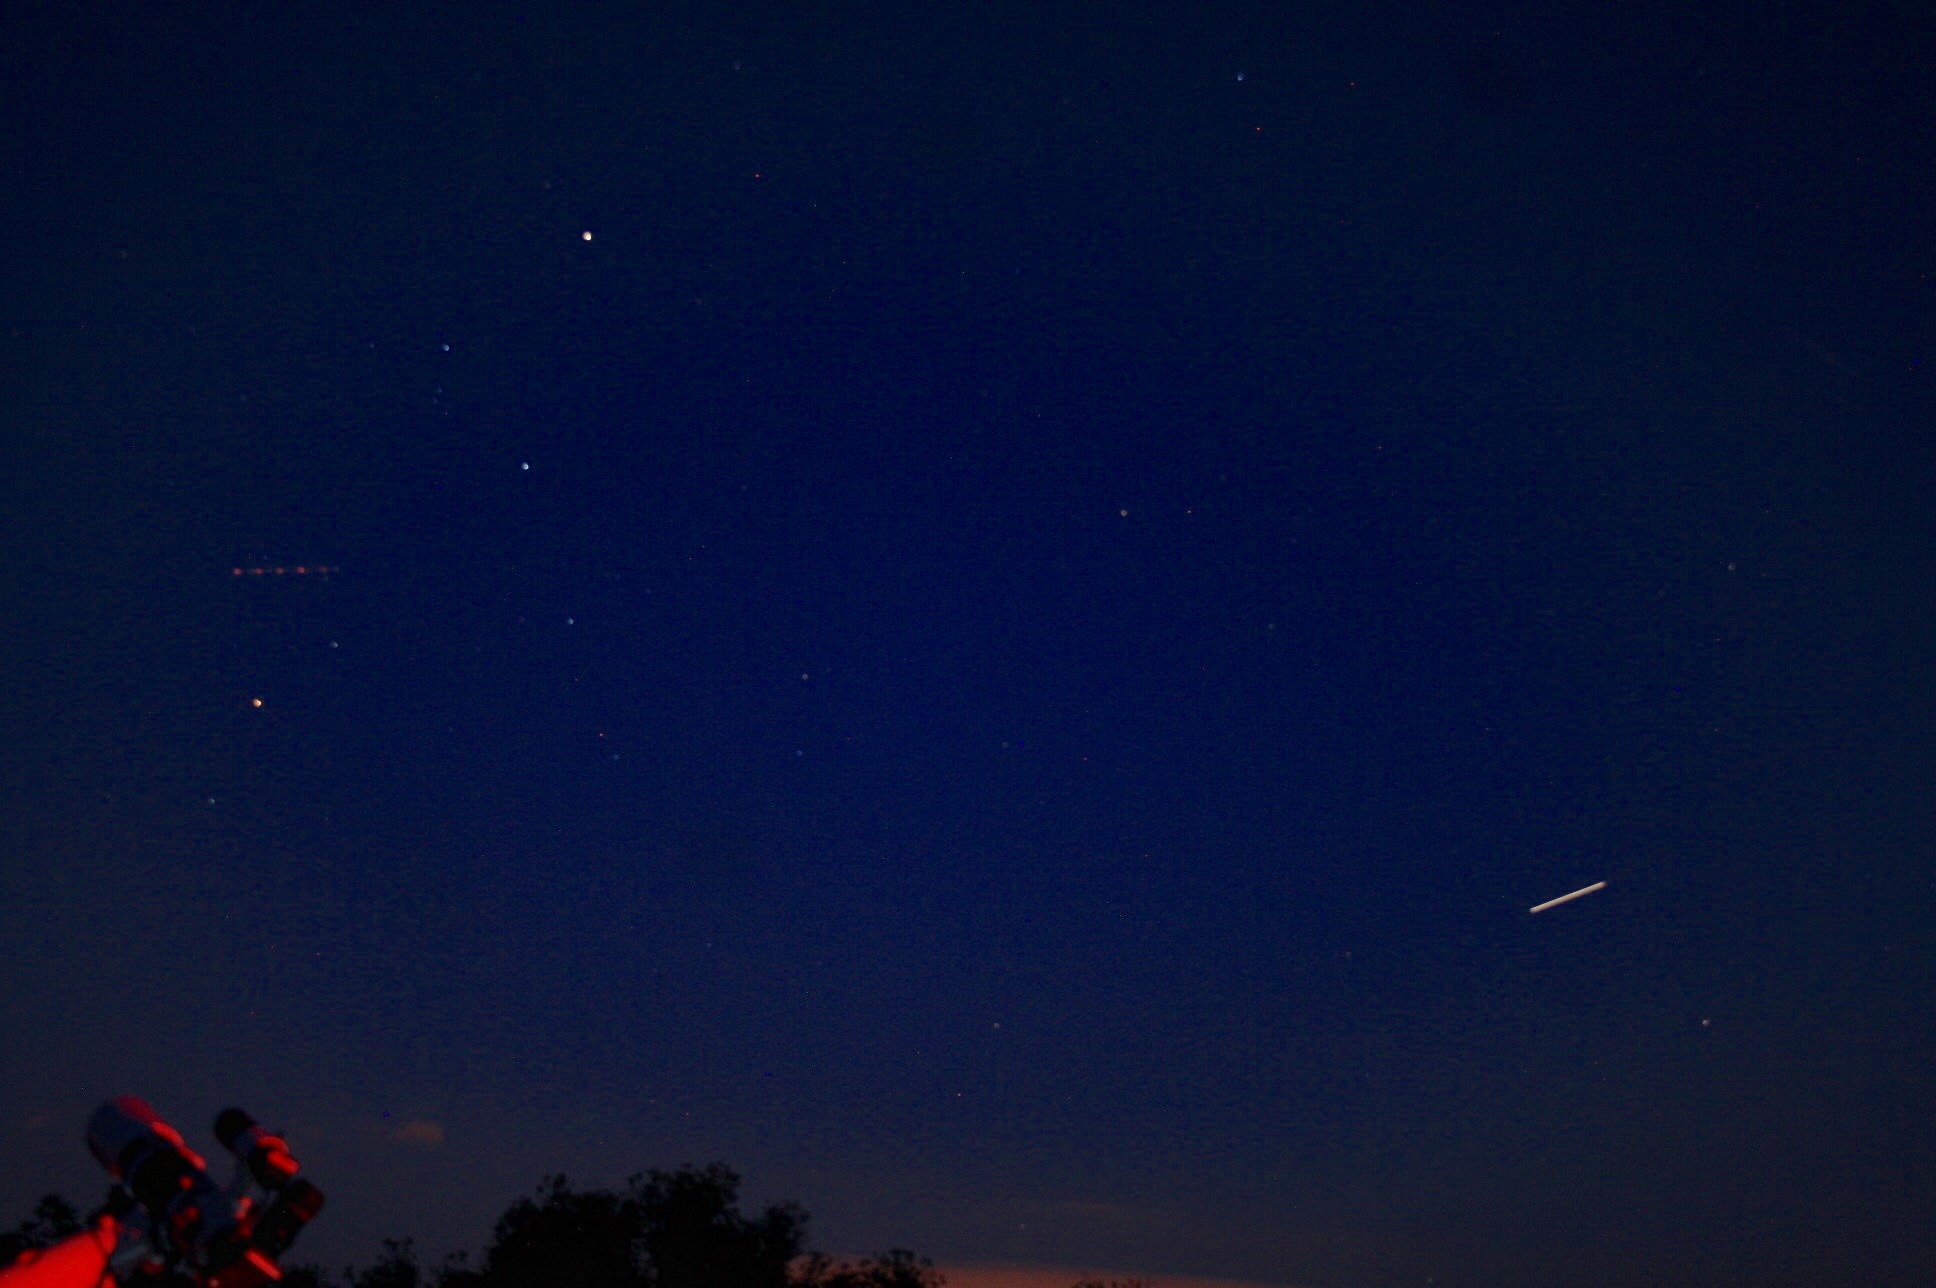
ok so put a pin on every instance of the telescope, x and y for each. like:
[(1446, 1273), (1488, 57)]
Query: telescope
[(166, 1221)]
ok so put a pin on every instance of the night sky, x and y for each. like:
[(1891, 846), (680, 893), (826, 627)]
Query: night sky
[(994, 616)]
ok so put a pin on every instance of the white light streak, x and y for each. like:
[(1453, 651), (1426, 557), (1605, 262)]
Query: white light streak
[(1569, 898)]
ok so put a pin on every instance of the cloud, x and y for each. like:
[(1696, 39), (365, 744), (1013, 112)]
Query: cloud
[(420, 1131)]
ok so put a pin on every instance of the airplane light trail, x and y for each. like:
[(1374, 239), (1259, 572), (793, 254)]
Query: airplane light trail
[(1569, 898)]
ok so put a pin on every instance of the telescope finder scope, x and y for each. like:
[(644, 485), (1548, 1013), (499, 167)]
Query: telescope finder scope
[(267, 1157)]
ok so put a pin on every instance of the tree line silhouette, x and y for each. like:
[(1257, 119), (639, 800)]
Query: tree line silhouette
[(677, 1229)]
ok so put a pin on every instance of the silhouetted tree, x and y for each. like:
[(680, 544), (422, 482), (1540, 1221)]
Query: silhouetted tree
[(54, 1219), (695, 1237), (895, 1268), (456, 1272), (678, 1229), (567, 1239), (396, 1268), (303, 1276)]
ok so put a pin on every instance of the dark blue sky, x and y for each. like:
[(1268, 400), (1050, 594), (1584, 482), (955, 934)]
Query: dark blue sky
[(1006, 646)]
